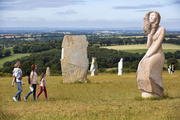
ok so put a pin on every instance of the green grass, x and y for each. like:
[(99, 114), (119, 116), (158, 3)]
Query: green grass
[(11, 58), (105, 97), (141, 48)]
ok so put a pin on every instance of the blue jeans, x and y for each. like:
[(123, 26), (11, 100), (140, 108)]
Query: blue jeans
[(18, 94), (34, 92)]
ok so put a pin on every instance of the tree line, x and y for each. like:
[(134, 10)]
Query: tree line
[(105, 58)]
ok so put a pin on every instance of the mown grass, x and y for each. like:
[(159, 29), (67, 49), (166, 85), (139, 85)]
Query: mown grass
[(105, 97), (11, 58), (141, 48)]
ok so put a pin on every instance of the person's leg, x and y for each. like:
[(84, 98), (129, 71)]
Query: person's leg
[(39, 92), (17, 95), (28, 95), (45, 92), (34, 91)]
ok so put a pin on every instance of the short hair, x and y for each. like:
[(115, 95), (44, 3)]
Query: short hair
[(17, 64)]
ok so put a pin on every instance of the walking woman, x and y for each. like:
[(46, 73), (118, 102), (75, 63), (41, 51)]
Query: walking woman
[(33, 80), (17, 77)]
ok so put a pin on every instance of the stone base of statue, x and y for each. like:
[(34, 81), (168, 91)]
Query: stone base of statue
[(120, 72), (149, 95)]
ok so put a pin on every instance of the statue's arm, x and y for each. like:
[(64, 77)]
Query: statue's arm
[(158, 42), (149, 40)]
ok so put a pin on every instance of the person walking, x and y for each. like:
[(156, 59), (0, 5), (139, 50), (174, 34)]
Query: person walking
[(42, 86), (33, 83), (17, 77)]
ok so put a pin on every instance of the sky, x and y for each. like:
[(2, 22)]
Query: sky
[(87, 13)]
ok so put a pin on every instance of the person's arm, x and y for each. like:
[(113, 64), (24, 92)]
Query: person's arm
[(158, 42), (31, 77), (13, 81)]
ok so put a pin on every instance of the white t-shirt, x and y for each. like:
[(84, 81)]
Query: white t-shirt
[(33, 75), (17, 72), (42, 82)]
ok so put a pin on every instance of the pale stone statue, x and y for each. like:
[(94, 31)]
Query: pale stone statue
[(120, 67), (48, 73), (149, 72), (94, 67), (74, 61)]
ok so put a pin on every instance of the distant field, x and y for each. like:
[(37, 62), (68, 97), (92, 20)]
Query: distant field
[(11, 58), (105, 97), (141, 48)]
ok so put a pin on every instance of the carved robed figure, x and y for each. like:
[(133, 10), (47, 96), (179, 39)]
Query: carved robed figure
[(120, 67), (149, 72), (94, 67)]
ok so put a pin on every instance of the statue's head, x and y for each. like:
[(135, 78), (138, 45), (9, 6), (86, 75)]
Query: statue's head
[(151, 22), (121, 60), (93, 59)]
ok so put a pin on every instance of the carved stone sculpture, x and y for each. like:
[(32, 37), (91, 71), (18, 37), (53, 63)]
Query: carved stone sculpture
[(149, 72), (94, 67), (120, 67)]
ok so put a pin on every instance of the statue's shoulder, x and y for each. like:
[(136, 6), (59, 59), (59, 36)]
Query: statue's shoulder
[(162, 29)]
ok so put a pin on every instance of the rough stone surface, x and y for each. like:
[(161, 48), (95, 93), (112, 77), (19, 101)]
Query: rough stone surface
[(74, 61), (94, 67), (48, 73), (120, 67), (149, 72)]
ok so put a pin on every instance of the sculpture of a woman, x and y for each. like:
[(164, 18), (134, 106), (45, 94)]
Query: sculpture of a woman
[(149, 72)]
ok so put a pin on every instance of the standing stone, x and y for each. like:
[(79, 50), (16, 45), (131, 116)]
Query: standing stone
[(94, 67), (120, 67), (74, 61), (48, 73), (149, 72)]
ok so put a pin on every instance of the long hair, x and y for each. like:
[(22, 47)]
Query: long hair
[(148, 27), (33, 66)]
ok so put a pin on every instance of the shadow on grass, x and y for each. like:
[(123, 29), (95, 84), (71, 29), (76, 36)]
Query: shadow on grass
[(80, 82)]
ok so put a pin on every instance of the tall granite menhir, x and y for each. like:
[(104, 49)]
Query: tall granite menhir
[(74, 61)]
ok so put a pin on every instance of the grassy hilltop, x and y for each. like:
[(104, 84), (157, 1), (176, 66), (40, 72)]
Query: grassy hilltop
[(105, 97)]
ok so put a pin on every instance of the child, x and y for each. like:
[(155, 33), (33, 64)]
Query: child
[(42, 86)]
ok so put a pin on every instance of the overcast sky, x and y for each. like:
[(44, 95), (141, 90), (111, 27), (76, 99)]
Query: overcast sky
[(87, 13)]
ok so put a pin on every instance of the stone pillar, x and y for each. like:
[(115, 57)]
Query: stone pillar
[(48, 73), (74, 61)]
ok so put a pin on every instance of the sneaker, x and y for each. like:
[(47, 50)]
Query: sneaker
[(14, 98), (25, 99)]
